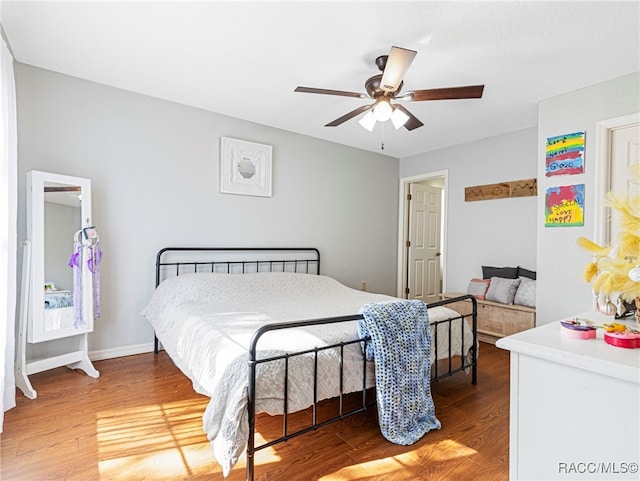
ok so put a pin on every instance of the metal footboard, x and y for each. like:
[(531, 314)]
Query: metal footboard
[(253, 365), (468, 362)]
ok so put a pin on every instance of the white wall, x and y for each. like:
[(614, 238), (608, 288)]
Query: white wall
[(561, 289), (154, 171), (500, 232)]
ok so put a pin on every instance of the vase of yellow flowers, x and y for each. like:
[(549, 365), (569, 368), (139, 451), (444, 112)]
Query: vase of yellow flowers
[(615, 269)]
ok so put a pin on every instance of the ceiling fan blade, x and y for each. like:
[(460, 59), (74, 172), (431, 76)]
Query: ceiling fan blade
[(413, 122), (468, 92), (350, 115), (397, 65), (341, 93)]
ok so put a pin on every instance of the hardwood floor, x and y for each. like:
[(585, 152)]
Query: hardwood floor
[(141, 421)]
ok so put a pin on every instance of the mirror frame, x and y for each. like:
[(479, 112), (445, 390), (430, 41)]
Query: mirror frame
[(36, 182)]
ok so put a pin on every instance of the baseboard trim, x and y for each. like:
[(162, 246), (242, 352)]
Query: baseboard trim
[(120, 351)]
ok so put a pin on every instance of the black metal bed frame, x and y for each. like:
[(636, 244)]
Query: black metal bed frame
[(309, 264)]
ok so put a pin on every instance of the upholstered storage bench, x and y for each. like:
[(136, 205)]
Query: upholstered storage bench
[(496, 320)]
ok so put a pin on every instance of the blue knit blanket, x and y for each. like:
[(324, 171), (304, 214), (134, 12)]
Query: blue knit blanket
[(401, 350)]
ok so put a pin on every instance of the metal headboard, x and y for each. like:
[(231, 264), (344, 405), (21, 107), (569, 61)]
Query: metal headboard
[(236, 260), (174, 261)]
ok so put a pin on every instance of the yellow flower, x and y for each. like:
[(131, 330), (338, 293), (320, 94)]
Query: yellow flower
[(602, 283), (590, 271), (593, 247), (609, 271)]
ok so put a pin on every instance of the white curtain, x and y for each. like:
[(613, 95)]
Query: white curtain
[(8, 230)]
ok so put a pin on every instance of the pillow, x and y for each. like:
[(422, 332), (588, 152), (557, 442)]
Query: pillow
[(522, 272), (526, 293), (478, 287), (502, 290), (504, 272)]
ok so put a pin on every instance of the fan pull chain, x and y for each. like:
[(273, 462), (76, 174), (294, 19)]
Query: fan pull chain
[(382, 136)]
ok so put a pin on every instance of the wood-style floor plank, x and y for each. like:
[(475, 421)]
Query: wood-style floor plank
[(142, 421)]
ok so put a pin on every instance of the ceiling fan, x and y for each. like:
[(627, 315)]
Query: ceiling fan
[(385, 87)]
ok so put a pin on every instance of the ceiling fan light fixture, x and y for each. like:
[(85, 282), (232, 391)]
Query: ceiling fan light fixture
[(368, 121), (382, 110), (386, 87), (398, 118)]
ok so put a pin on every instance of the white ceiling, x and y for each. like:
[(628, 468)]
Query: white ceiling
[(244, 59)]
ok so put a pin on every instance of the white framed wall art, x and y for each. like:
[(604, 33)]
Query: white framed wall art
[(245, 167)]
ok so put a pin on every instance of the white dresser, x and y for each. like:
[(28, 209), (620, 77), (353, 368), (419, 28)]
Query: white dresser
[(575, 406)]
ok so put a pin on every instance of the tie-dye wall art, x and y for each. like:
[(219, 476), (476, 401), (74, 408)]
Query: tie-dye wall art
[(564, 206), (565, 154)]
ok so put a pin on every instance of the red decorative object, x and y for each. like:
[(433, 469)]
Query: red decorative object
[(626, 339)]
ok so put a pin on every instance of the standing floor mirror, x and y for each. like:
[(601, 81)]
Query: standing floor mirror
[(60, 257)]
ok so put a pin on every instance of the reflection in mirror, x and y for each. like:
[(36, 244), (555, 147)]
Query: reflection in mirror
[(62, 217)]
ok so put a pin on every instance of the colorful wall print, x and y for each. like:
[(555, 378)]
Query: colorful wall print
[(564, 206), (565, 154)]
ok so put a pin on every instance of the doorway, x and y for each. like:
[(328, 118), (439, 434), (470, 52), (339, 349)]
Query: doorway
[(422, 234), (618, 147)]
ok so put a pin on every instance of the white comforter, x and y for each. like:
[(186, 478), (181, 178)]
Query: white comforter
[(205, 323)]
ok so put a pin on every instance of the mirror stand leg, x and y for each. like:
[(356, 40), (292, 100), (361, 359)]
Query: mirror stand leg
[(20, 368), (85, 364), (23, 383)]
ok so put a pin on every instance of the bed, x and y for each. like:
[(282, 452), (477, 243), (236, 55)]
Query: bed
[(261, 330)]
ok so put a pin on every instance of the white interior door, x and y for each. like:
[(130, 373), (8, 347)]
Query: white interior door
[(625, 152), (617, 147), (423, 273)]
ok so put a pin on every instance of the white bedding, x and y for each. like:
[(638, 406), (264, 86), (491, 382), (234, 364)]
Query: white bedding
[(205, 322)]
